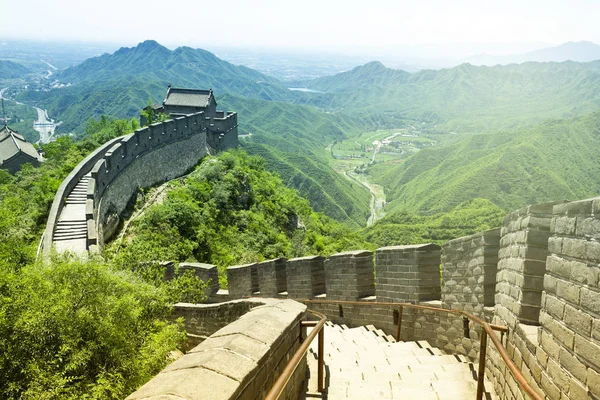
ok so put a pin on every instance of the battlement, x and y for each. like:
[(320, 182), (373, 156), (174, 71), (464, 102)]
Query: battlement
[(150, 155), (539, 275)]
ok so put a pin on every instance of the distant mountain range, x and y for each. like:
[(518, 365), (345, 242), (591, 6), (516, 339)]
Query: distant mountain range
[(571, 51), (10, 70), (291, 137), (292, 129)]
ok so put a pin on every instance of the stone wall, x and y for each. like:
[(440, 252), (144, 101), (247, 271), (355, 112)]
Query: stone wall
[(349, 276), (239, 361), (469, 266), (558, 353), (148, 156), (570, 324), (271, 277), (207, 273), (522, 263), (64, 189), (151, 155), (305, 277), (202, 320), (408, 273), (243, 280)]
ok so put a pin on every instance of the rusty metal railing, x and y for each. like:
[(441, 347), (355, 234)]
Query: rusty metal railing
[(487, 329), (294, 362)]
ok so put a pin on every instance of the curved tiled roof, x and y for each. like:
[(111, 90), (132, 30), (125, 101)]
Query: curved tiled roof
[(188, 97), (11, 144)]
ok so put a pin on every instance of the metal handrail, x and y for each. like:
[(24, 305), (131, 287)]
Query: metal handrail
[(487, 330), (294, 362)]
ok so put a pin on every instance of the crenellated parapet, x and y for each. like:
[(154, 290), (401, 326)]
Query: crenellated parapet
[(539, 275), (114, 172)]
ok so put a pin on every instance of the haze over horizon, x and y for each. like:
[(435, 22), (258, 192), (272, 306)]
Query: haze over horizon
[(429, 29)]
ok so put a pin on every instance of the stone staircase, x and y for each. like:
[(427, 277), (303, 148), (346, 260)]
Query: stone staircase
[(71, 227), (365, 363)]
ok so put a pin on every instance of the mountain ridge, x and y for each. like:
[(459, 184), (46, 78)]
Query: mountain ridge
[(581, 51)]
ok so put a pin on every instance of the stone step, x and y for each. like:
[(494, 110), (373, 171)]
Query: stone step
[(363, 364), (60, 232), (69, 237), (71, 223)]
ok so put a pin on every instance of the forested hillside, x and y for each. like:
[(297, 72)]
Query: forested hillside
[(469, 99), (10, 70), (291, 138), (553, 161), (230, 211), (465, 219), (294, 131)]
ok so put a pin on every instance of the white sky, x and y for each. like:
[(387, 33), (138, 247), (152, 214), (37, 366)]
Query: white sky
[(305, 24)]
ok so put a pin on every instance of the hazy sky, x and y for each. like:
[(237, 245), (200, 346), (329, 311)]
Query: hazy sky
[(509, 24)]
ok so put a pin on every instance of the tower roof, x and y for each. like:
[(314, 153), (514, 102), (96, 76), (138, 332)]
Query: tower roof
[(188, 97), (11, 144)]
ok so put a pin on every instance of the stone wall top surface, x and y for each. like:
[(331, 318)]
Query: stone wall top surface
[(197, 265), (354, 253), (580, 207), (241, 266), (229, 363), (495, 232), (425, 246), (273, 260), (306, 258)]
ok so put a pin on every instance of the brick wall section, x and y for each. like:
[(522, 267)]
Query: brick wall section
[(204, 272), (240, 361), (570, 315), (408, 273), (242, 280), (522, 263), (271, 277), (305, 277), (349, 275), (523, 348), (469, 271), (202, 320), (468, 284)]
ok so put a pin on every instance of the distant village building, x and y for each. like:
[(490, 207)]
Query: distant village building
[(16, 151), (179, 102)]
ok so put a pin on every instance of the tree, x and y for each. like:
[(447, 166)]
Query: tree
[(151, 115), (76, 329)]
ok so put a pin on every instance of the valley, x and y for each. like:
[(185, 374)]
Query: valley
[(165, 169), (370, 142), (355, 157), (41, 124)]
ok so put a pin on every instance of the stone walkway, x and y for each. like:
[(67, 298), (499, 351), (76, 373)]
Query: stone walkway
[(364, 363), (71, 227)]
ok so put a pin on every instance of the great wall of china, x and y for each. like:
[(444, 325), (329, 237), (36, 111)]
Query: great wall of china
[(538, 275), (89, 202)]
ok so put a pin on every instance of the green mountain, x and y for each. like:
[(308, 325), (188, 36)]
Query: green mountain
[(11, 70), (359, 78), (574, 51), (554, 161), (230, 211), (467, 99), (465, 219), (291, 137), (184, 66)]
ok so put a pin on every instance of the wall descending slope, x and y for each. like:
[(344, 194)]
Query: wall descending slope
[(545, 257), (150, 155)]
